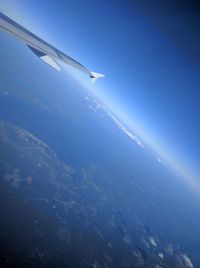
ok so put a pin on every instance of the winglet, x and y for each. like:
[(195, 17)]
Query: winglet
[(94, 76)]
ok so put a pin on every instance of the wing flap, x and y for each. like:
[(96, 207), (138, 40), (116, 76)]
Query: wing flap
[(51, 62), (46, 58)]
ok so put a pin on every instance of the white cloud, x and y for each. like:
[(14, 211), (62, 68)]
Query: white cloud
[(187, 261), (152, 241), (125, 130), (92, 108), (118, 123), (160, 160)]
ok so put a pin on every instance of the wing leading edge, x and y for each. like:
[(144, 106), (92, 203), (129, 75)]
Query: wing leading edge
[(42, 49)]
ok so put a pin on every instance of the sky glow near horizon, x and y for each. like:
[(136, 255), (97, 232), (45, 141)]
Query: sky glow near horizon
[(123, 90), (135, 133)]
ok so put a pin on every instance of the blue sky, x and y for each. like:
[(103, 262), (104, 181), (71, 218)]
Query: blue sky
[(152, 81)]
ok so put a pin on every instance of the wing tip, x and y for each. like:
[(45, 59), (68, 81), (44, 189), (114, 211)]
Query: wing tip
[(94, 76)]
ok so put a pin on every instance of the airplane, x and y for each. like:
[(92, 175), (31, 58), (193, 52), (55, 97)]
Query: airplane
[(41, 48)]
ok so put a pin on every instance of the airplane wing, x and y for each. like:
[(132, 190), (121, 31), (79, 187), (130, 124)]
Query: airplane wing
[(42, 49)]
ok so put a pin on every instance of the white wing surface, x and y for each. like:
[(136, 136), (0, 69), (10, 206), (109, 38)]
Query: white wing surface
[(42, 49)]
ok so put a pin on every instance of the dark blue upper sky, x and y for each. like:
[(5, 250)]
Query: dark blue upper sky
[(150, 56)]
